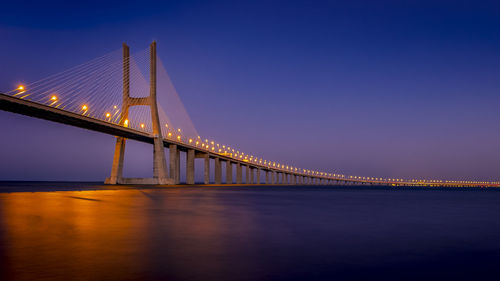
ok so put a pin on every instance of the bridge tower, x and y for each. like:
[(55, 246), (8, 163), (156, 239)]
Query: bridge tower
[(159, 162)]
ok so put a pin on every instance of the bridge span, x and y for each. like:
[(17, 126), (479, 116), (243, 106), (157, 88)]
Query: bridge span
[(20, 102)]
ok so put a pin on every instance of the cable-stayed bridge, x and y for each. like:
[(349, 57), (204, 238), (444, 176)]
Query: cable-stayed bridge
[(130, 96)]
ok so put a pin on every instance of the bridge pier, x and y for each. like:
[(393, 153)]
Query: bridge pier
[(218, 171), (247, 174), (175, 160), (239, 173), (267, 176), (117, 168), (190, 156), (206, 171), (229, 172), (251, 171), (258, 176)]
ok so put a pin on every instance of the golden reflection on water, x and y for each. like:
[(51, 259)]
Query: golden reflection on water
[(113, 234)]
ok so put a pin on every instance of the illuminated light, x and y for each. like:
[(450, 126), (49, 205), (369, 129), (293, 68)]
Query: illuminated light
[(125, 122), (190, 140), (53, 98), (178, 137), (169, 134), (142, 125), (166, 125), (179, 130), (20, 88), (114, 107), (84, 107), (197, 142), (108, 114)]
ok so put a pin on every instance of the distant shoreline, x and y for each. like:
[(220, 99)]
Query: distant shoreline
[(55, 186)]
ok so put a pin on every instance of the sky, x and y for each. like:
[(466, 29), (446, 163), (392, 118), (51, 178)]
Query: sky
[(404, 89)]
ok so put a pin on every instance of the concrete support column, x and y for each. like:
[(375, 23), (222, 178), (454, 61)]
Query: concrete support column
[(267, 176), (247, 174), (190, 166), (206, 171), (117, 168), (239, 173), (294, 179), (174, 163), (218, 171), (275, 177), (229, 172), (159, 161), (258, 176), (251, 170)]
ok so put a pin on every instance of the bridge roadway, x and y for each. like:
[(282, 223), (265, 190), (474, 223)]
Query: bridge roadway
[(273, 175)]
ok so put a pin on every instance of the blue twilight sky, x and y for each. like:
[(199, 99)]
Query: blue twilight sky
[(374, 88)]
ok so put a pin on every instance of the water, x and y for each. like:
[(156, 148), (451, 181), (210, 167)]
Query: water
[(247, 233)]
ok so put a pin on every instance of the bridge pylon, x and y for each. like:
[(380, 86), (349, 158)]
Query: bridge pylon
[(160, 175)]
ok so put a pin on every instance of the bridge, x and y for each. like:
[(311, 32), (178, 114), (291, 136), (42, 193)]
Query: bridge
[(111, 95)]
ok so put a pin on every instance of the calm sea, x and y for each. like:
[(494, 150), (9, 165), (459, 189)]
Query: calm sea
[(247, 233)]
